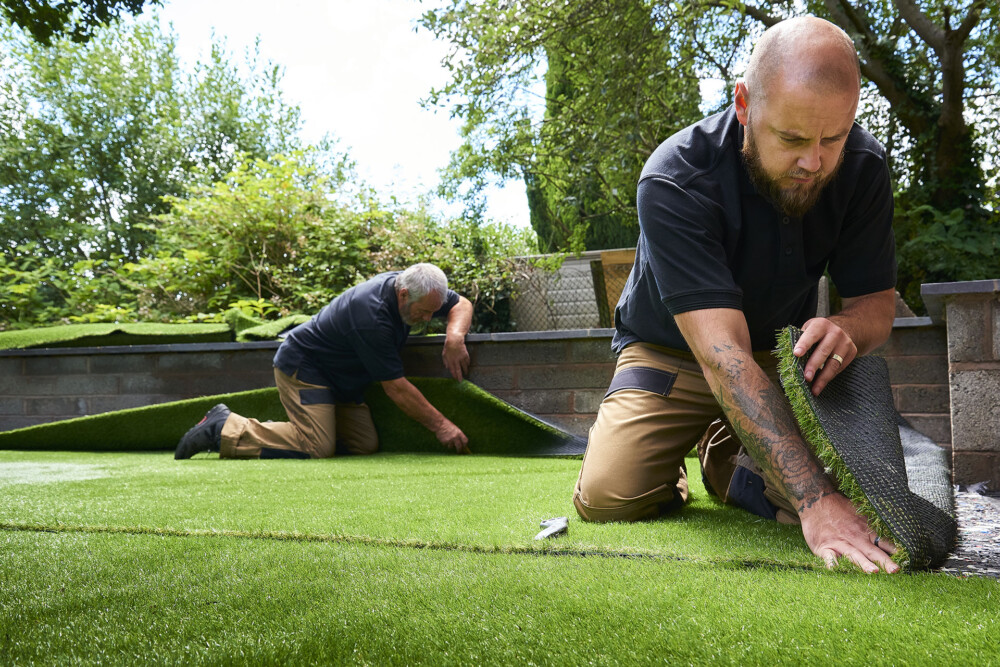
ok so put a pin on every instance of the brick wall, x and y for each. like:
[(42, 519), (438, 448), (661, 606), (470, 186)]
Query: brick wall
[(558, 375), (971, 312), (916, 354)]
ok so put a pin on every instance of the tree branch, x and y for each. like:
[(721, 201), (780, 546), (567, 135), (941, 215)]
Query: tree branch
[(922, 25)]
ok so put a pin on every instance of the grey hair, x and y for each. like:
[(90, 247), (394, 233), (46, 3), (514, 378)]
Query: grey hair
[(422, 279), (796, 40)]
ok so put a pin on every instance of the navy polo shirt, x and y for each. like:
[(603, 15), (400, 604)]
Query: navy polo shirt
[(708, 239), (354, 340)]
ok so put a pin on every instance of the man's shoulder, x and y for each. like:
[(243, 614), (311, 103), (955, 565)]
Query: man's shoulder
[(705, 149), (861, 141)]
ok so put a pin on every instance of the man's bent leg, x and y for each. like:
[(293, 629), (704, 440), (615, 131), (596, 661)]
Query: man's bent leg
[(732, 475), (355, 429), (310, 430), (657, 408)]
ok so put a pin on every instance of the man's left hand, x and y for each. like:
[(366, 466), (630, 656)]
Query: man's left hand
[(834, 351), (456, 358)]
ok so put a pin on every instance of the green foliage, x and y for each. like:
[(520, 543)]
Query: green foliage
[(935, 247), (268, 238), (46, 19), (476, 257), (612, 85), (94, 136)]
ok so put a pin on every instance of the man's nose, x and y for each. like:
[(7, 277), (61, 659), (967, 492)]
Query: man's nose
[(810, 160)]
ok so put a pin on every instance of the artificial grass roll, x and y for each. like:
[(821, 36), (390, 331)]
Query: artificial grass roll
[(852, 427), (269, 330), (103, 334), (492, 426), (154, 427)]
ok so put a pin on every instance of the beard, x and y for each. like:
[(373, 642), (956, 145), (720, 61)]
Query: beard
[(795, 200)]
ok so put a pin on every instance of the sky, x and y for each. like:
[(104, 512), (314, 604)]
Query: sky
[(357, 69)]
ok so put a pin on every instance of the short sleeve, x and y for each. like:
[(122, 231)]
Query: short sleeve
[(686, 251), (864, 261), (450, 301)]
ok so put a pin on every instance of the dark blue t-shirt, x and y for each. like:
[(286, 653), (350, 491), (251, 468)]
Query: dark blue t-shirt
[(708, 239), (354, 340)]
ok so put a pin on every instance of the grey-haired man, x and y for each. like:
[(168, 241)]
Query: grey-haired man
[(324, 365)]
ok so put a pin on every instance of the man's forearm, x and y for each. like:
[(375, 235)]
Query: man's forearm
[(459, 319), (413, 403), (868, 319), (759, 414)]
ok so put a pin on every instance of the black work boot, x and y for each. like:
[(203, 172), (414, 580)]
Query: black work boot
[(205, 435)]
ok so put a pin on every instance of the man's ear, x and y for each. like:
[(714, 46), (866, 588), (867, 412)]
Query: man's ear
[(741, 100), (403, 296)]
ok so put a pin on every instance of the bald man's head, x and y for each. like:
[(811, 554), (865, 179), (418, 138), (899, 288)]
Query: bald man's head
[(803, 51)]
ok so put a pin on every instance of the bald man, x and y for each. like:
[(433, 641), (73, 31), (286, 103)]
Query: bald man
[(740, 215)]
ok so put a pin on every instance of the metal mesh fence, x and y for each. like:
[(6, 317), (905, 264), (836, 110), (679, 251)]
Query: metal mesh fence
[(581, 294)]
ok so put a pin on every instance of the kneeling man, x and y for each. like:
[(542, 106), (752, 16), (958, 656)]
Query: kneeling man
[(323, 366)]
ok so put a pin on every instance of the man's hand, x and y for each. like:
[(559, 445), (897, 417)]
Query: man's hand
[(834, 351), (833, 528), (456, 357), (863, 324), (412, 402), (452, 437)]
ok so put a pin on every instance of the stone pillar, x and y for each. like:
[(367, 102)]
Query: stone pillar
[(971, 311)]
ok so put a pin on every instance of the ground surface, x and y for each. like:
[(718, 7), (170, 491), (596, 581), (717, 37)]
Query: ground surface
[(978, 550), (134, 558)]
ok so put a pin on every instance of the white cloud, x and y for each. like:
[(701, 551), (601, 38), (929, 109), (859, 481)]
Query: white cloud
[(357, 69)]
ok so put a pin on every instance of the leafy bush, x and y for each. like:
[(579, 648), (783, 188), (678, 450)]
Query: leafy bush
[(934, 246), (271, 239)]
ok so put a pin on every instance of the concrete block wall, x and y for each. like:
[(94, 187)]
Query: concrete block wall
[(559, 375), (971, 313), (41, 386), (918, 370)]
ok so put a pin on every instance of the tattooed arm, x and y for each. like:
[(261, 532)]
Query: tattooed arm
[(760, 415)]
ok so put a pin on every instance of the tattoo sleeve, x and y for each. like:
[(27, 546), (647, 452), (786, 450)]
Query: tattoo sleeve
[(761, 418)]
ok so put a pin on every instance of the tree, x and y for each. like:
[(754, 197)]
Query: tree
[(75, 19), (569, 97), (930, 72), (94, 136)]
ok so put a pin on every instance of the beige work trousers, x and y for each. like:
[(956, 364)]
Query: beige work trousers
[(317, 429), (634, 465)]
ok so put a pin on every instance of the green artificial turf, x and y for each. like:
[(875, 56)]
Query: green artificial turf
[(237, 326), (153, 427), (491, 425), (798, 391), (87, 335), (428, 559), (252, 329)]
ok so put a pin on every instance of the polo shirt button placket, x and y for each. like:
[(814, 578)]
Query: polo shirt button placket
[(785, 221)]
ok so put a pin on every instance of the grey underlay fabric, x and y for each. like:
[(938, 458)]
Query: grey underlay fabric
[(902, 476)]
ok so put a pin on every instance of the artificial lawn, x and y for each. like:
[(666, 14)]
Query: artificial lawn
[(124, 599), (420, 558), (492, 425), (86, 335), (237, 326)]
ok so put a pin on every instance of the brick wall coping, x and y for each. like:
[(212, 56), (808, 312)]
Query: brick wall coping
[(434, 339), (935, 294)]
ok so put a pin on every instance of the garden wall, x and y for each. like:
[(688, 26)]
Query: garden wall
[(558, 375)]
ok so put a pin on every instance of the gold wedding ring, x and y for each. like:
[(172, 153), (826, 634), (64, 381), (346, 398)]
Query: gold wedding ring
[(836, 357)]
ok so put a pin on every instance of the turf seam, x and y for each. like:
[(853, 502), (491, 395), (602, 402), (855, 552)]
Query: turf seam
[(283, 536)]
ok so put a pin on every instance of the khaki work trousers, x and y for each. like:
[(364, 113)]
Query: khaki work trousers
[(634, 465), (316, 428)]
